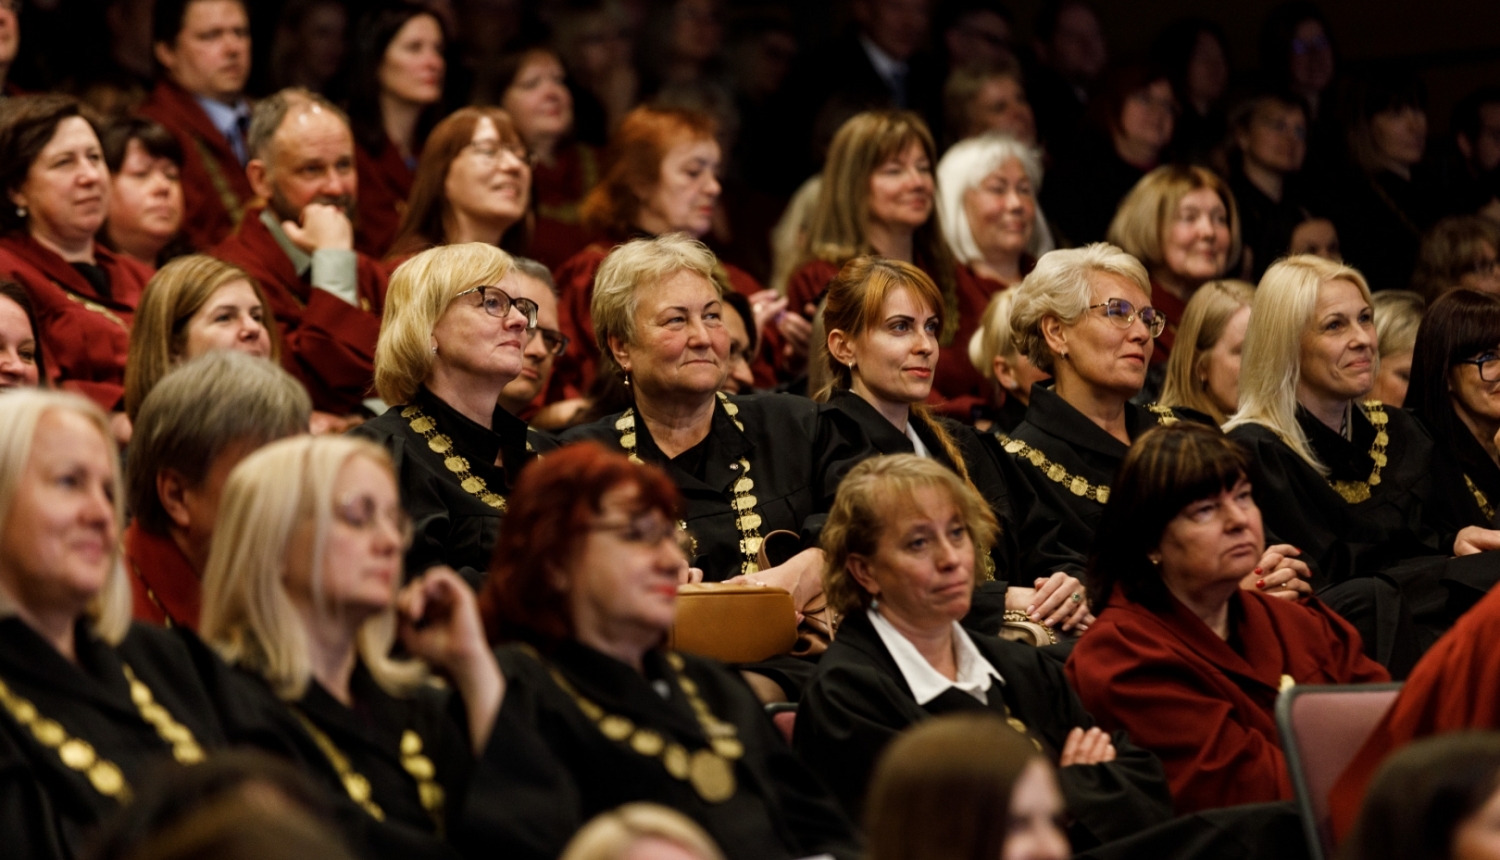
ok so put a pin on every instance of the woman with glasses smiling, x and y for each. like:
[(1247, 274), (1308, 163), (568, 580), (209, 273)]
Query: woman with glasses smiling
[(453, 337)]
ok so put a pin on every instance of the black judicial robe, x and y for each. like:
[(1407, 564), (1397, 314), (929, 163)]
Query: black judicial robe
[(859, 701), (1475, 500), (1061, 447), (797, 456), (451, 525), (549, 769), (48, 810)]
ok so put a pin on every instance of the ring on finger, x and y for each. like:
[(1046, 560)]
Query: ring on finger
[(1076, 597)]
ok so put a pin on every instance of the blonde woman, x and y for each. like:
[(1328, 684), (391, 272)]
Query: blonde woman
[(637, 831), (90, 703), (195, 304), (1349, 481), (1398, 315), (993, 352), (1204, 374), (300, 597), (452, 338)]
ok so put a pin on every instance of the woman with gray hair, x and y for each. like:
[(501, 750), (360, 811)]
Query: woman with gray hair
[(91, 703), (452, 338), (987, 191)]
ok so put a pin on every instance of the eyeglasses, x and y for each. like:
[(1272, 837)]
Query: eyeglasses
[(361, 513), (1123, 313), (651, 532), (555, 341), (1488, 363), (491, 152), (1485, 267), (497, 303)]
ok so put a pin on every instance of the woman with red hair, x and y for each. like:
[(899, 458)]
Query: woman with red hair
[(597, 712)]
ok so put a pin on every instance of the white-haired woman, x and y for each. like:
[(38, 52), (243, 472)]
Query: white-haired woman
[(452, 338), (987, 192), (300, 597), (1350, 482), (89, 703)]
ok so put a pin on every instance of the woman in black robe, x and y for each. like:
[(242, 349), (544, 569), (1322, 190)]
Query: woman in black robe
[(904, 541), (90, 704), (451, 339), (597, 713), (1355, 485), (300, 597)]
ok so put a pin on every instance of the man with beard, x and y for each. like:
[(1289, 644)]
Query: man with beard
[(300, 248)]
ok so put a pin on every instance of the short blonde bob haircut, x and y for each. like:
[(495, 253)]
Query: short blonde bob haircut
[(633, 265), (21, 411), (610, 835), (1271, 365), (1141, 221), (871, 497), (420, 291), (1061, 286), (1203, 322), (994, 336), (248, 616), (158, 336), (1398, 315)]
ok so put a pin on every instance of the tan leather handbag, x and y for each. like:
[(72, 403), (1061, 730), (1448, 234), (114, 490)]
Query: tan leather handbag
[(733, 623)]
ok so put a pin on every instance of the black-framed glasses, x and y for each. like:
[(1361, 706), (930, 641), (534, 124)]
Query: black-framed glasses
[(362, 513), (1123, 313), (1488, 363), (497, 303), (555, 341)]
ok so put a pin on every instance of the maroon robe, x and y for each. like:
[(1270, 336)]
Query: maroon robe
[(384, 186), (326, 343), (1207, 706), (85, 336), (1172, 308), (559, 189), (165, 589), (1451, 689), (215, 191)]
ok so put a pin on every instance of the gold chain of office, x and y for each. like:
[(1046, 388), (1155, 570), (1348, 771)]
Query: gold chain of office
[(743, 503), (1055, 472), (357, 785), (1479, 497), (1359, 491), (422, 424)]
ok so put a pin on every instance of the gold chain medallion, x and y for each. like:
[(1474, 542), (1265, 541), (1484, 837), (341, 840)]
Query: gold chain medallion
[(1484, 502), (441, 445), (1359, 491)]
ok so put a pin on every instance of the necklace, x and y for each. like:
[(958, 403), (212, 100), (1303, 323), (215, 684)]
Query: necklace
[(746, 519), (709, 771), (1359, 491), (357, 785), (1055, 472), (1484, 502), (79, 755), (441, 445)]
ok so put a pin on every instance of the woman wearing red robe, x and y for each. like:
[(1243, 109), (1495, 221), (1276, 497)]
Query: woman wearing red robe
[(52, 169), (1183, 655)]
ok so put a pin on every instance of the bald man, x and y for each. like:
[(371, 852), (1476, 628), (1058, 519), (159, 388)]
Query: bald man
[(300, 247)]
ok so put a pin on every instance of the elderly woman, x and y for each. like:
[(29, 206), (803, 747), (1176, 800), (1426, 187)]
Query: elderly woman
[(597, 712), (883, 318), (1351, 483), (194, 305), (21, 362), (965, 785), (473, 184), (300, 599), (661, 177), (396, 79), (1181, 222), (191, 430), (1398, 313), (1462, 252), (451, 341), (544, 343), (987, 189), (91, 703), (84, 294), (1182, 657), (1204, 373), (145, 200), (993, 352), (904, 542)]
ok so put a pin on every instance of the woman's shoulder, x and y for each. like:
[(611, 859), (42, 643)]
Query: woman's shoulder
[(599, 430), (383, 427), (1255, 434), (775, 403), (1166, 415)]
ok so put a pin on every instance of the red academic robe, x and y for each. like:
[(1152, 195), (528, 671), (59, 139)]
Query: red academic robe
[(1452, 688), (1206, 707), (164, 588), (215, 191), (384, 186), (326, 343), (1172, 308), (559, 188), (85, 336)]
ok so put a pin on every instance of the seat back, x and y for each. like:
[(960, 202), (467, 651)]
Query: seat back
[(784, 715), (1322, 727)]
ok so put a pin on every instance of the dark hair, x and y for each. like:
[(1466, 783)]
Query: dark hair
[(741, 306), (955, 11), (1466, 114), (15, 292), (633, 163), (1450, 249), (168, 16), (1422, 794), (1458, 325), (544, 529), (1174, 48), (1119, 84), (1390, 87), (27, 125), (1276, 39), (373, 33), (1044, 25), (1242, 111), (1166, 470), (499, 77), (153, 137)]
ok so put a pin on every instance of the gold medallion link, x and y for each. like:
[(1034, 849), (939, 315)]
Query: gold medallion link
[(423, 425)]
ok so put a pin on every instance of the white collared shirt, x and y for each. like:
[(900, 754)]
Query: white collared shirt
[(917, 446), (890, 69), (975, 674)]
